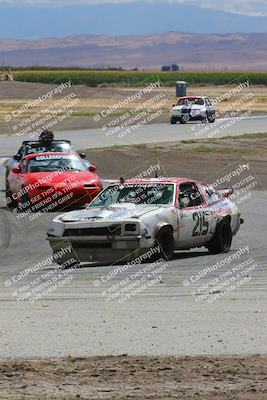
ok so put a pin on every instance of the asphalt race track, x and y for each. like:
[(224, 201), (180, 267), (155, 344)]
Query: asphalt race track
[(93, 138), (79, 319)]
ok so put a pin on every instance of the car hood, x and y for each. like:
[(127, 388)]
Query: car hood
[(114, 212), (51, 178)]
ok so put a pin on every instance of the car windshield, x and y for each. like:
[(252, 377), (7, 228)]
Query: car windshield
[(151, 193), (53, 147), (181, 102), (55, 163)]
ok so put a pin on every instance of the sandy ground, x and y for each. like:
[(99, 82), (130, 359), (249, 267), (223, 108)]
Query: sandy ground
[(137, 378), (206, 161), (92, 101)]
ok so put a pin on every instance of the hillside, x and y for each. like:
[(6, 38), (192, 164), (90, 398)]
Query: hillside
[(192, 51)]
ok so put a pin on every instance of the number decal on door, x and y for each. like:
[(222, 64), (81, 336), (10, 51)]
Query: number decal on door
[(202, 224)]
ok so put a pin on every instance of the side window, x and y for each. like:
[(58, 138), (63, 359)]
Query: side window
[(207, 102), (190, 195)]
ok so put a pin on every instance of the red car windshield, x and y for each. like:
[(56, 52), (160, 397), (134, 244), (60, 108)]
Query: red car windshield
[(44, 163)]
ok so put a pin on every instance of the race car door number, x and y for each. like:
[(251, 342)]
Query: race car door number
[(202, 224)]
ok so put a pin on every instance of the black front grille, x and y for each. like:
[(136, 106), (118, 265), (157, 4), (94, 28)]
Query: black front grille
[(186, 111), (102, 231), (77, 246)]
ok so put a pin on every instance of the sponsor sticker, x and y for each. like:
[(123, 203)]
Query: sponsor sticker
[(48, 157)]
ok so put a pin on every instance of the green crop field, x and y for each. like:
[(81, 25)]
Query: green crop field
[(138, 78)]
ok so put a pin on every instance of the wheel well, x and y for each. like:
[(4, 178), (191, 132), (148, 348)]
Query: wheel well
[(160, 227), (227, 218)]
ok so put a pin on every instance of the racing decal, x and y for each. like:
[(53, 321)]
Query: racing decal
[(202, 223), (49, 157)]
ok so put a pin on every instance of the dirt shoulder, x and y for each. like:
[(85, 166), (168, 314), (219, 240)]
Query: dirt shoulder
[(91, 102), (139, 378), (206, 160)]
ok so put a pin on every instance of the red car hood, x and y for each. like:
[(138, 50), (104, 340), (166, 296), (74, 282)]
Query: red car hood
[(51, 178)]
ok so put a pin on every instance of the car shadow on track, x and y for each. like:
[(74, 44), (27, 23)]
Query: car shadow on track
[(190, 254)]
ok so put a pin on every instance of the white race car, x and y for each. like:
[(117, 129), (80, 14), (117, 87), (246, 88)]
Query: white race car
[(192, 109), (131, 216)]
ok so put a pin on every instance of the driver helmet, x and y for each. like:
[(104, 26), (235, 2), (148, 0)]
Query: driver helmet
[(46, 136)]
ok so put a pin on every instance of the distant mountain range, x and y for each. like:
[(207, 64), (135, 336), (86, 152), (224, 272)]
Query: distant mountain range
[(192, 51), (135, 17)]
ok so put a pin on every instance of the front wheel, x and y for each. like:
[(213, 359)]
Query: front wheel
[(222, 240), (173, 120), (10, 202), (183, 120), (211, 118), (165, 241)]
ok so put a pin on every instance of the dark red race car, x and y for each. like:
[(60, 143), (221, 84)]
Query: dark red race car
[(48, 180)]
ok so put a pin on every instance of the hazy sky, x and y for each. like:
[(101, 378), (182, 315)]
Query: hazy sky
[(247, 7)]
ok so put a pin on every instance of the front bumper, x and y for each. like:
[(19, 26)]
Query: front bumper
[(190, 117), (101, 249)]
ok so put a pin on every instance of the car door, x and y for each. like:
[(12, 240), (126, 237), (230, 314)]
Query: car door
[(193, 216)]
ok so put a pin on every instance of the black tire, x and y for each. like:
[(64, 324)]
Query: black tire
[(173, 120), (211, 118), (222, 240), (10, 202), (164, 239), (6, 176), (183, 120)]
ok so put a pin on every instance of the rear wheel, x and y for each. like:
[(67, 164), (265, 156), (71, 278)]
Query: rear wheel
[(165, 241), (222, 240)]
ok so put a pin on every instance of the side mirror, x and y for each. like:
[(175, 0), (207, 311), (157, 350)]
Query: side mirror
[(92, 168), (82, 155), (16, 170), (17, 157), (173, 105)]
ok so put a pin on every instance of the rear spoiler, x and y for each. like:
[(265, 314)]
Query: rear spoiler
[(227, 192)]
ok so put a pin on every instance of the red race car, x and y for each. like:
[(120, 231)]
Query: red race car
[(48, 180)]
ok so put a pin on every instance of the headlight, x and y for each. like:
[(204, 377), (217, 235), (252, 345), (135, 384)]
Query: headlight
[(130, 228), (56, 228)]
